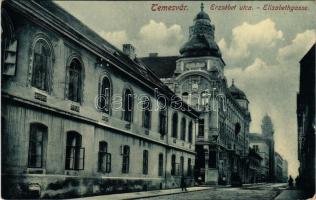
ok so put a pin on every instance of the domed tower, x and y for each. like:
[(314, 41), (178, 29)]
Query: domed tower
[(267, 127), (201, 52), (201, 38), (267, 132)]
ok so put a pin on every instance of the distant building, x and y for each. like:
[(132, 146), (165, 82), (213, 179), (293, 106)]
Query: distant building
[(254, 168), (267, 131), (306, 121), (285, 170), (197, 76), (81, 117), (278, 162), (260, 145)]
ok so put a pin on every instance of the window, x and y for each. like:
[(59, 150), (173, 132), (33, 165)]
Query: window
[(189, 167), (125, 165), (204, 98), (74, 152), (146, 112), (160, 165), (9, 45), (185, 97), (42, 60), (175, 125), (128, 105), (181, 165), (162, 122), (145, 162), (173, 165), (36, 145), (74, 82), (104, 158), (201, 127), (183, 128), (190, 131), (105, 95)]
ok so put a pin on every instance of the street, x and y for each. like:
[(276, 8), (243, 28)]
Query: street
[(255, 192)]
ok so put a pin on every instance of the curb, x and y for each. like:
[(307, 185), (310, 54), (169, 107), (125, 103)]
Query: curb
[(180, 192)]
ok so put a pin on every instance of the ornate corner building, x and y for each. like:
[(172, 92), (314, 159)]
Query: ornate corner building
[(197, 76)]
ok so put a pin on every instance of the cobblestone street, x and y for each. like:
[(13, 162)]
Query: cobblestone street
[(262, 192)]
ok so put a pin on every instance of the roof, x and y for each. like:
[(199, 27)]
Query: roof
[(163, 67), (199, 45), (310, 55), (202, 15), (236, 92)]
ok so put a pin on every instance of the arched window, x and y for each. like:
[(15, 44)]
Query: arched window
[(37, 145), (190, 131), (105, 95), (125, 165), (162, 122), (74, 82), (104, 158), (128, 105), (42, 60), (183, 128), (145, 162), (175, 125), (173, 165), (146, 112), (74, 152)]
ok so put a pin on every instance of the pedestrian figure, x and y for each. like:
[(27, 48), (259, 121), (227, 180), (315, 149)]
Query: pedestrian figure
[(200, 180), (290, 182), (183, 184)]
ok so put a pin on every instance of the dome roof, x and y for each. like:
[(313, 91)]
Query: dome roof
[(202, 15), (201, 40), (237, 93), (199, 45)]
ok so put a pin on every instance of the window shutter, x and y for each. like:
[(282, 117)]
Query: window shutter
[(10, 55)]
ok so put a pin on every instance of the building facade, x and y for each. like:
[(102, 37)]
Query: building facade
[(306, 121), (254, 168), (80, 117), (278, 162), (285, 171), (259, 144), (197, 76)]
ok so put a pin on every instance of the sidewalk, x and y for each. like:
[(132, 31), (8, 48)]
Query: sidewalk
[(292, 195), (137, 195)]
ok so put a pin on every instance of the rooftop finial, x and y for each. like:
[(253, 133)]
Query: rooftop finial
[(202, 6)]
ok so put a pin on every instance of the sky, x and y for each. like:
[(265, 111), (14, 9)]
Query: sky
[(261, 49)]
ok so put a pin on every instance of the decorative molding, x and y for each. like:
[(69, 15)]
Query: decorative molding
[(41, 36)]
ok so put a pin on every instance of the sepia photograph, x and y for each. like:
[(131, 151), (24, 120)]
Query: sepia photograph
[(158, 100)]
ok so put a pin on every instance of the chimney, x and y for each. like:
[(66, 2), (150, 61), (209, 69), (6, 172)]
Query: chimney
[(153, 54), (129, 50)]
